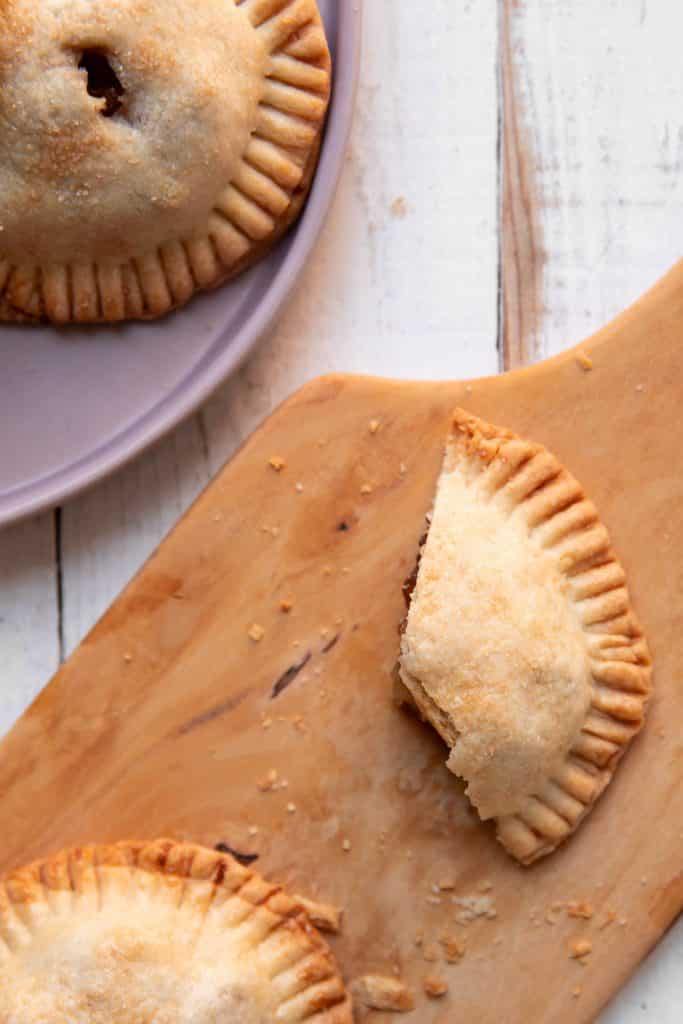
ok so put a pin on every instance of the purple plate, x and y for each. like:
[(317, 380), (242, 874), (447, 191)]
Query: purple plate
[(77, 404)]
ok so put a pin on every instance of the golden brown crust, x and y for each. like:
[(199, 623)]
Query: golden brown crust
[(256, 938), (526, 482), (107, 277)]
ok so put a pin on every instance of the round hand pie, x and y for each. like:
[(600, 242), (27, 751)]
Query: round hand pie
[(520, 645), (149, 148), (162, 932)]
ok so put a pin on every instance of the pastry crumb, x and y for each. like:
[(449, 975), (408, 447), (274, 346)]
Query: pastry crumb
[(291, 808), (472, 907), (269, 783), (484, 886), (253, 830), (551, 915), (399, 207), (446, 885), (403, 469), (277, 463), (366, 489), (286, 605), (584, 361), (430, 953), (581, 908), (383, 993), (256, 632), (434, 986), (453, 949), (419, 937), (266, 723), (580, 948), (324, 916), (346, 845), (609, 918), (127, 658), (576, 991), (373, 426)]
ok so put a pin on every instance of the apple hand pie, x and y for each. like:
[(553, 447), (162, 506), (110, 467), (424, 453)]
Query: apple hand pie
[(148, 150), (163, 932), (520, 645)]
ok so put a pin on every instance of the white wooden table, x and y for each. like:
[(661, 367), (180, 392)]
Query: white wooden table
[(513, 181)]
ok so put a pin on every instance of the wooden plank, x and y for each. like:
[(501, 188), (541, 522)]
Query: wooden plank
[(159, 721), (404, 281), (593, 172), (29, 616)]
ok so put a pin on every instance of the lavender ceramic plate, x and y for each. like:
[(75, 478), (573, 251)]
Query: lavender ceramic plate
[(75, 405)]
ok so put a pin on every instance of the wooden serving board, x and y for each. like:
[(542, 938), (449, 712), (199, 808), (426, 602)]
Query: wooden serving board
[(168, 716)]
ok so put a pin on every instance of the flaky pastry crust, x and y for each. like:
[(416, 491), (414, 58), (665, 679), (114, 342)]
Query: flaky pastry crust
[(122, 203), (165, 932), (520, 644)]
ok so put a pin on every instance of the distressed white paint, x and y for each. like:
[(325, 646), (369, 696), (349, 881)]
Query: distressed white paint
[(601, 89), (29, 621), (415, 296)]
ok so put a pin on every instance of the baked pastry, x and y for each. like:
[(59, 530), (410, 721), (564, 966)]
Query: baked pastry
[(520, 645), (148, 150), (164, 932)]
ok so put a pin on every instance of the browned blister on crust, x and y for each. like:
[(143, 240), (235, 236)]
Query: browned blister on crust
[(163, 931), (520, 645), (123, 210)]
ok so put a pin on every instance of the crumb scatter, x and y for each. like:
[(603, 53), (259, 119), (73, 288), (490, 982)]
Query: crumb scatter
[(434, 986), (383, 993), (580, 949)]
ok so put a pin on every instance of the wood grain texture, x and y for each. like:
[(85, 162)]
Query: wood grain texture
[(599, 101), (168, 717)]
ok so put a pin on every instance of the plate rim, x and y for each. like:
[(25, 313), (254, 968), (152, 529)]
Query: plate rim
[(52, 489)]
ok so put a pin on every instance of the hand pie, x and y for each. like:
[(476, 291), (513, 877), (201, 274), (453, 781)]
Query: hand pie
[(520, 645), (148, 150), (162, 932)]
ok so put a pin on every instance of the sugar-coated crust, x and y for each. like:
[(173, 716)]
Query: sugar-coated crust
[(526, 481), (92, 279), (277, 955)]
